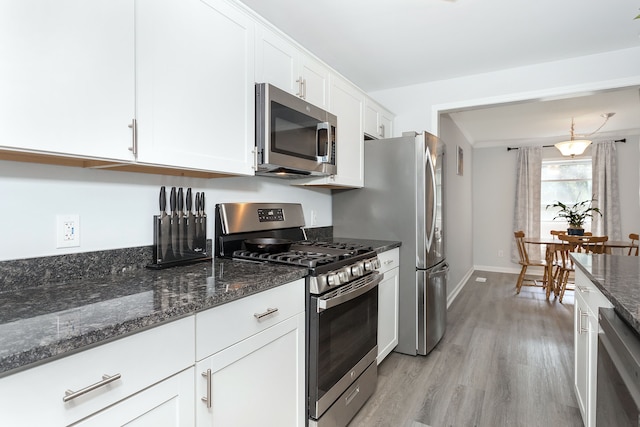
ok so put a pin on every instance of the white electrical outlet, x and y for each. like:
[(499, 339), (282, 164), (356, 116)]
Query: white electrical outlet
[(314, 218), (67, 231), (500, 253)]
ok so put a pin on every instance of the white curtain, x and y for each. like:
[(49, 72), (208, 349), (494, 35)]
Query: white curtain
[(526, 216), (605, 190)]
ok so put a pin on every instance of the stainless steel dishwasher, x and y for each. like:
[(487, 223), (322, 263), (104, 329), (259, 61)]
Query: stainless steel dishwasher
[(618, 383)]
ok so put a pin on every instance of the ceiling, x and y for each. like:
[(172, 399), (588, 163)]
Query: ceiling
[(382, 44)]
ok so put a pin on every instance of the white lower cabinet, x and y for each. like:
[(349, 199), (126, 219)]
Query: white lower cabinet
[(587, 302), (34, 397), (258, 381), (388, 291), (255, 375)]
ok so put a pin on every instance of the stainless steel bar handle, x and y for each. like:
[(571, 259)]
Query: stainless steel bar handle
[(582, 314), (373, 281), (351, 396), (269, 312), (430, 234), (323, 126), (582, 288), (207, 398), (134, 130), (304, 88), (300, 94), (382, 130), (106, 379)]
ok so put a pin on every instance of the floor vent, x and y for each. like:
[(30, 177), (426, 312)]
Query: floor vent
[(481, 279)]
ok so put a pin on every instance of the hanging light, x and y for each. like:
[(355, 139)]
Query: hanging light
[(575, 147)]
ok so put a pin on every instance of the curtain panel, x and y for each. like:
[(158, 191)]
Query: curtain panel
[(526, 216), (605, 190)]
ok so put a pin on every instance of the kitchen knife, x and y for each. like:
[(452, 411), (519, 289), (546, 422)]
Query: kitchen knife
[(190, 219), (196, 222), (164, 225), (196, 241), (174, 223), (182, 235), (203, 225)]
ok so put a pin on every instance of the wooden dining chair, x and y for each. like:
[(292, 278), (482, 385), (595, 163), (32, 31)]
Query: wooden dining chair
[(634, 241), (587, 244), (594, 244), (526, 262), (565, 264)]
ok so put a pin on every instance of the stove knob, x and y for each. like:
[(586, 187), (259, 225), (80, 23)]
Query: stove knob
[(357, 270), (368, 265), (344, 276), (333, 279)]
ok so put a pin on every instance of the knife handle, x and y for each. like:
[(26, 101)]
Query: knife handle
[(180, 201), (172, 200), (188, 200), (202, 203), (197, 204), (163, 199)]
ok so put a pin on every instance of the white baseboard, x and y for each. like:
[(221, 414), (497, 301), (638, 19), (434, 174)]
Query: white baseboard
[(452, 296)]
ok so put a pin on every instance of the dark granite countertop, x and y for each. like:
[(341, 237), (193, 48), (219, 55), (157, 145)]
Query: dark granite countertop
[(43, 316), (41, 322), (618, 278)]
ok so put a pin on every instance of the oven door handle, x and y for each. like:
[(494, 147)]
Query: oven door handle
[(340, 298)]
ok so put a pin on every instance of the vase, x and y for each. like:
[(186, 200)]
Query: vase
[(575, 231)]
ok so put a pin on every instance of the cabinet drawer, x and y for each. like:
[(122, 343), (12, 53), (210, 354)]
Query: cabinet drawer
[(389, 259), (227, 324), (35, 396), (591, 295)]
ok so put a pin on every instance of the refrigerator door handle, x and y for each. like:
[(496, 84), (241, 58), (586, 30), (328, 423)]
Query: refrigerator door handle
[(434, 209), (444, 268)]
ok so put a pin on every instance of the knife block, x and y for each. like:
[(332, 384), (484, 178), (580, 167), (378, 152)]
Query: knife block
[(179, 240)]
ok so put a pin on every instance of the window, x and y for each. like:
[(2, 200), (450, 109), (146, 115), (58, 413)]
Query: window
[(568, 181)]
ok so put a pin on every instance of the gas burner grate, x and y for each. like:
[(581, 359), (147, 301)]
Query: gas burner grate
[(306, 259)]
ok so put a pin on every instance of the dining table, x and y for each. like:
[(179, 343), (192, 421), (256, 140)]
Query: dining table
[(551, 243)]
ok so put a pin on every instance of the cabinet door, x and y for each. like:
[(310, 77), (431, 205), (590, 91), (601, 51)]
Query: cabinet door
[(67, 77), (386, 124), (258, 381), (277, 61), (378, 122), (347, 103), (388, 291), (315, 77), (581, 352), (194, 85), (166, 404)]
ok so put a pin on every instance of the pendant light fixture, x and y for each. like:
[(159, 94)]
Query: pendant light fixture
[(575, 147)]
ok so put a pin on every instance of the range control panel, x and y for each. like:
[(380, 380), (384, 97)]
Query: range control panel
[(270, 215)]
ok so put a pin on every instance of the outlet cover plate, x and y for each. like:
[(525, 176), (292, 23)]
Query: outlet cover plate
[(67, 231)]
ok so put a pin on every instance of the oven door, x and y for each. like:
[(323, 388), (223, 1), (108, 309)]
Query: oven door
[(618, 373), (343, 329)]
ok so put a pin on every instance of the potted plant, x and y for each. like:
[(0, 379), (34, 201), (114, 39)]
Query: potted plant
[(575, 214)]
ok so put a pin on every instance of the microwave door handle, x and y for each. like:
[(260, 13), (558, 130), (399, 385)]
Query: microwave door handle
[(323, 126)]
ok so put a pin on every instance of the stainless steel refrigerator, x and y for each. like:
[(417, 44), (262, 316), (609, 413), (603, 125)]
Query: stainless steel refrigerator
[(402, 199)]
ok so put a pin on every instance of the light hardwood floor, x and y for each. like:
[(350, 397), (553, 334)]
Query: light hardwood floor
[(505, 360)]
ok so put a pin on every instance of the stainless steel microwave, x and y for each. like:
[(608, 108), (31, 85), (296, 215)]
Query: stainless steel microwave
[(294, 139)]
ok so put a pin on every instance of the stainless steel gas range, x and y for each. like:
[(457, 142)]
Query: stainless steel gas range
[(341, 304)]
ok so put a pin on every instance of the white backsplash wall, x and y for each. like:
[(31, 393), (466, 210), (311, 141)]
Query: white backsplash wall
[(116, 208)]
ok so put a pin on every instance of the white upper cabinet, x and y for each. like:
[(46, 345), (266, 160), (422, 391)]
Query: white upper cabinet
[(67, 77), (282, 64), (347, 103), (378, 122), (194, 85)]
